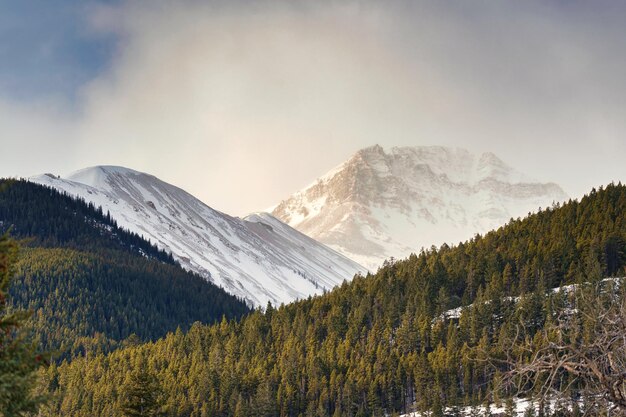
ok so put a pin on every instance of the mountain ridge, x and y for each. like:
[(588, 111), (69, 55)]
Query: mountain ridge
[(253, 263), (380, 204), (91, 284)]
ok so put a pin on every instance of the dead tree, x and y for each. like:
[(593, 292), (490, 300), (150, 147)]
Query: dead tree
[(582, 350)]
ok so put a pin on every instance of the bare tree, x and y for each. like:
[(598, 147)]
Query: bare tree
[(580, 351)]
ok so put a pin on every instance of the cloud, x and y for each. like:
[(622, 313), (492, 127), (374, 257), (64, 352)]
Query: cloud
[(35, 135), (243, 103)]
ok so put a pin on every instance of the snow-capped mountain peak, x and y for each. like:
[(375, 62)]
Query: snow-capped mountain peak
[(258, 258), (388, 203), (99, 176)]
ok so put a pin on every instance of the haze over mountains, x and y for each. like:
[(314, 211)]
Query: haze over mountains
[(381, 204), (258, 258)]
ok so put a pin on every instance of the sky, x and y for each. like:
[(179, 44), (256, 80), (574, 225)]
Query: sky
[(243, 103)]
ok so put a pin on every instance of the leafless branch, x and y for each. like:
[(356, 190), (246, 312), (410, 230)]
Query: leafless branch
[(581, 351)]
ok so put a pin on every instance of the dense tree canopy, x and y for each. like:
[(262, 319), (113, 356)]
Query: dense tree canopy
[(18, 357), (90, 284), (49, 218), (380, 344)]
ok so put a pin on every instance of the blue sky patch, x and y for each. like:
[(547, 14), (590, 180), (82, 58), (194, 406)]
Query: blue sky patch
[(46, 48)]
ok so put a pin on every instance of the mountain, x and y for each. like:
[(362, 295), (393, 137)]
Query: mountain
[(375, 346), (90, 283), (381, 204), (257, 258)]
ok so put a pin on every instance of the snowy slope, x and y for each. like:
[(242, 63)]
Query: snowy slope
[(257, 258), (382, 204), (520, 407)]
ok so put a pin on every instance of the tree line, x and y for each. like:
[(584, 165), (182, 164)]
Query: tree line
[(379, 345), (91, 286)]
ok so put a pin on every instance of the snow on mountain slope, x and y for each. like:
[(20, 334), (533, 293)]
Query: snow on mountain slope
[(257, 258), (382, 204)]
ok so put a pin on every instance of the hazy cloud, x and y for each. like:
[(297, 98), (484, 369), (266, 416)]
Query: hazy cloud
[(242, 103)]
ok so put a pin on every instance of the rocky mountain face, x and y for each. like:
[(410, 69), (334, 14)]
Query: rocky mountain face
[(258, 258), (381, 204)]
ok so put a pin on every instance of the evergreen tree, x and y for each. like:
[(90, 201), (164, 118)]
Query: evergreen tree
[(141, 396), (437, 407), (509, 408), (18, 358)]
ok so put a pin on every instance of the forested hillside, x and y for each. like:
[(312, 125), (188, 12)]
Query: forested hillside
[(51, 219), (90, 284), (375, 346)]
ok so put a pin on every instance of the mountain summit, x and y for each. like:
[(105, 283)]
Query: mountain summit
[(257, 258), (381, 204)]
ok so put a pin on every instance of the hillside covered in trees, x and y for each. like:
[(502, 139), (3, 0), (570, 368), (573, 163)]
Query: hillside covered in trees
[(378, 345), (90, 284)]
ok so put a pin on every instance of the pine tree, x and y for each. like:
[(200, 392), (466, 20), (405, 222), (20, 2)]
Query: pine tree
[(141, 395), (437, 407), (18, 358), (509, 408)]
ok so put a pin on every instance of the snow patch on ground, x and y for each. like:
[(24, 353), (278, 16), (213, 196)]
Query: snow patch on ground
[(520, 406), (455, 313)]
